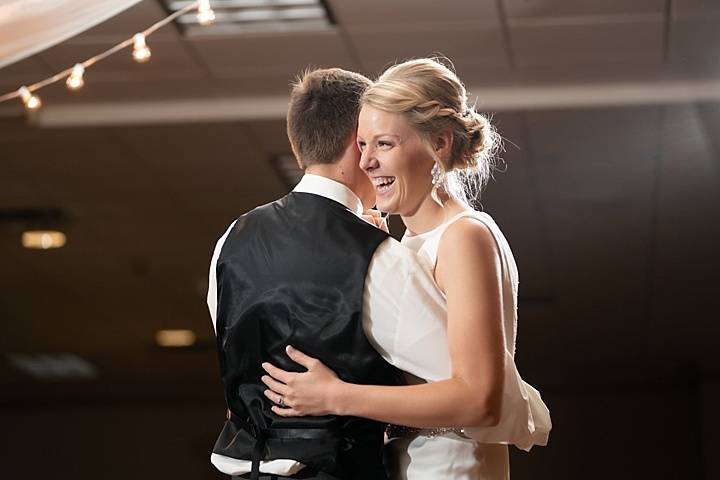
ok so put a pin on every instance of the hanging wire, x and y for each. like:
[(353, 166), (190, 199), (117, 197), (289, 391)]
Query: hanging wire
[(101, 56)]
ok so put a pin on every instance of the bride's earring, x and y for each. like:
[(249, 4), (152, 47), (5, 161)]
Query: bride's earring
[(438, 178), (437, 175)]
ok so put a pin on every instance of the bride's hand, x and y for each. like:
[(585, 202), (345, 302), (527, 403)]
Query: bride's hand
[(375, 217), (306, 393)]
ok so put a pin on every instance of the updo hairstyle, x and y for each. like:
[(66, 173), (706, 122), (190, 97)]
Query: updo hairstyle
[(433, 99)]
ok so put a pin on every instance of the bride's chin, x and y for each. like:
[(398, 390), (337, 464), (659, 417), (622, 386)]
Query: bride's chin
[(382, 206), (387, 209)]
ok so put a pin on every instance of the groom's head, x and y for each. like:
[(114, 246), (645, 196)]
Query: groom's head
[(322, 125)]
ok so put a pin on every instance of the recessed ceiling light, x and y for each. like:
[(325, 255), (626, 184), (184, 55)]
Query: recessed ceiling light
[(175, 338), (43, 239), (239, 16)]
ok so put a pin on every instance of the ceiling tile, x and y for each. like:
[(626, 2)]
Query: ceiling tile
[(381, 13), (695, 44), (272, 55), (580, 8), (25, 71), (579, 45), (377, 50), (695, 8)]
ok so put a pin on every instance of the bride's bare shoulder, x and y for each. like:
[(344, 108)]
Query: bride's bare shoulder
[(468, 234), (467, 251)]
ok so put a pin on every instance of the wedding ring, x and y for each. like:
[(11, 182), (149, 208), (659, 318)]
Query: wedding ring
[(281, 401)]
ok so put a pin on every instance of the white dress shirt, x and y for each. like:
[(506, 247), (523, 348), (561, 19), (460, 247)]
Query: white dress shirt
[(403, 312)]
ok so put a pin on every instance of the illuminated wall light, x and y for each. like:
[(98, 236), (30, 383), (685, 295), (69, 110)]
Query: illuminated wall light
[(43, 239), (31, 101), (175, 338), (141, 52), (205, 14), (75, 81)]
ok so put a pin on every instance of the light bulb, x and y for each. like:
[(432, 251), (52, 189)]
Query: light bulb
[(205, 14), (141, 52), (31, 101), (75, 81)]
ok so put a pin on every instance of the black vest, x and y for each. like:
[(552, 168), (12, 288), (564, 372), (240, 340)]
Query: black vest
[(292, 272)]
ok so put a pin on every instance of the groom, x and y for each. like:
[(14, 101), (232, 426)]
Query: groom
[(306, 270)]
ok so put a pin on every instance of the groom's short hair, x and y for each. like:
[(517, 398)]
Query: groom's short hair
[(323, 114)]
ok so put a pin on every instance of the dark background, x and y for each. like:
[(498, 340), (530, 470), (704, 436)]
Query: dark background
[(610, 198)]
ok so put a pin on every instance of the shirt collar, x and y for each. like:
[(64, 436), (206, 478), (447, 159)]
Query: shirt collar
[(328, 188)]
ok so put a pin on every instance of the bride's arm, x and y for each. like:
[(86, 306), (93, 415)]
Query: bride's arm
[(469, 272)]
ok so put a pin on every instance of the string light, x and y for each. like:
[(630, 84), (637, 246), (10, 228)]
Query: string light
[(141, 52), (31, 101), (75, 81), (205, 14)]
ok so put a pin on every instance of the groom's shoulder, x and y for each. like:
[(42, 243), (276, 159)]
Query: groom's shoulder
[(263, 210), (253, 215)]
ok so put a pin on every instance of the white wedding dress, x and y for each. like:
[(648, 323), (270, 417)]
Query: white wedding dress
[(525, 420)]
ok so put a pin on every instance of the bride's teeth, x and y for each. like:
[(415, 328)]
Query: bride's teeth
[(383, 181)]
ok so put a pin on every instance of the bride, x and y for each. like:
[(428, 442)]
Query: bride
[(424, 149)]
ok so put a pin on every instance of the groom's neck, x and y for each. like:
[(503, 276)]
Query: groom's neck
[(332, 171)]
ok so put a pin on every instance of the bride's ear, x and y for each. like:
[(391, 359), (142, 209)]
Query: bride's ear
[(442, 144)]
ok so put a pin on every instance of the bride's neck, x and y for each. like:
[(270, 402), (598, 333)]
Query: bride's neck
[(430, 214)]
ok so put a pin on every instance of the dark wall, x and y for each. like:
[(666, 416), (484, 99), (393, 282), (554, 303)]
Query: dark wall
[(622, 432)]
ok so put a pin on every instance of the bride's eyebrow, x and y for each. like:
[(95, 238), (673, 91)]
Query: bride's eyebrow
[(385, 135)]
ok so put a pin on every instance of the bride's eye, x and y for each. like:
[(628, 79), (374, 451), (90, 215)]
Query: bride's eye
[(361, 145), (383, 143)]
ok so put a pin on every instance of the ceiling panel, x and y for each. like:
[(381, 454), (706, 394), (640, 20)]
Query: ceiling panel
[(25, 71), (695, 43), (695, 8), (580, 45), (378, 50), (272, 55), (370, 14), (580, 8)]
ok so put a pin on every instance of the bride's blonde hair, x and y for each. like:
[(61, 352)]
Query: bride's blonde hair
[(433, 99)]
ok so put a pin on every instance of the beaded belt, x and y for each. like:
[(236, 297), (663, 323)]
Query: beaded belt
[(394, 431)]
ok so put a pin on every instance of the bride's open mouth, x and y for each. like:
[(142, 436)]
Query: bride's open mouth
[(383, 184)]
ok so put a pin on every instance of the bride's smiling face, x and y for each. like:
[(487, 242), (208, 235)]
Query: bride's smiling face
[(396, 160)]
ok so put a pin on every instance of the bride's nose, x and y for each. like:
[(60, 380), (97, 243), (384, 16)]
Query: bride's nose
[(368, 161)]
